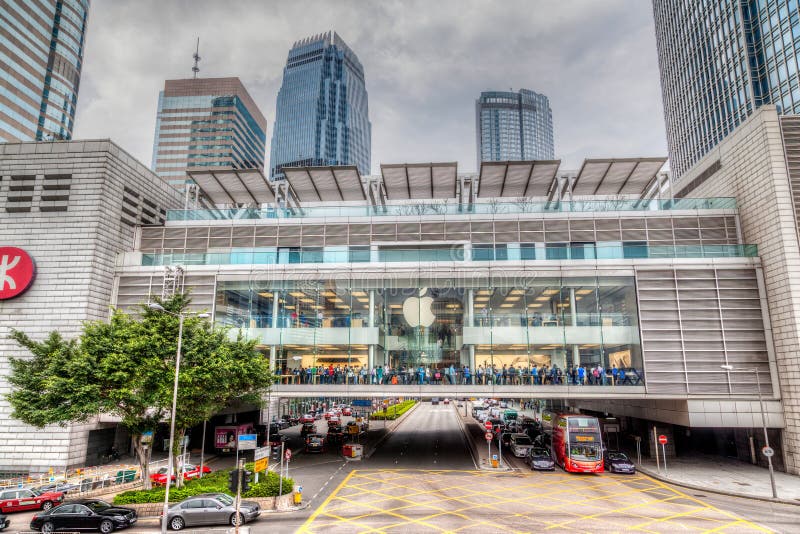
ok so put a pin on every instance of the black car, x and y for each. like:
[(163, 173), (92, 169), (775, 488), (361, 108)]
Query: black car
[(505, 439), (540, 459), (618, 462), (308, 428), (4, 522), (315, 443), (84, 514)]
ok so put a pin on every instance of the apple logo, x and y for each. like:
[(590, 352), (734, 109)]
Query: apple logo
[(417, 310)]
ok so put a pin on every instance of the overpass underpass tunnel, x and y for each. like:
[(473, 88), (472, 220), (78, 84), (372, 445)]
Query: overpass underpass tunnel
[(514, 331)]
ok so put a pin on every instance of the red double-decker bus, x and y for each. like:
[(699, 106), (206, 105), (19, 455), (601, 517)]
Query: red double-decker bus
[(575, 441)]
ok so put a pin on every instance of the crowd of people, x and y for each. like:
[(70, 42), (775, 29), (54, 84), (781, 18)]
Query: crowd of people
[(507, 375)]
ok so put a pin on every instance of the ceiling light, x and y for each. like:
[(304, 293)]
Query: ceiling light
[(358, 293), (297, 294), (512, 299), (507, 305), (543, 299), (306, 300), (266, 294), (550, 291), (584, 291)]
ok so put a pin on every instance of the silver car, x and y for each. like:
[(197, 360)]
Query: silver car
[(521, 445), (210, 509)]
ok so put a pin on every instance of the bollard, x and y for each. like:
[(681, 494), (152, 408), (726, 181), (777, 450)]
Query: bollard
[(298, 495)]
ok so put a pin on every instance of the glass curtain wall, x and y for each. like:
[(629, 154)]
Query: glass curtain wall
[(572, 330)]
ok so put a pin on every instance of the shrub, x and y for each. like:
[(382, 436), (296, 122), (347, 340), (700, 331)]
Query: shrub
[(216, 482), (394, 411)]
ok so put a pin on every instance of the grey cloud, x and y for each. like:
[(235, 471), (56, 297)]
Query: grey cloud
[(426, 61)]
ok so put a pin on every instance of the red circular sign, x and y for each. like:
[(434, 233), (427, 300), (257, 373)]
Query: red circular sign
[(288, 454), (17, 272), (488, 425), (488, 436), (662, 439)]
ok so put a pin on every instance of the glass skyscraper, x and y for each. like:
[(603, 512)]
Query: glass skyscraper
[(719, 61), (513, 126), (207, 122), (41, 56), (322, 115)]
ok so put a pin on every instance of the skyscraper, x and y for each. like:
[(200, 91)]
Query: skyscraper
[(322, 115), (41, 56), (513, 126), (207, 122), (719, 61)]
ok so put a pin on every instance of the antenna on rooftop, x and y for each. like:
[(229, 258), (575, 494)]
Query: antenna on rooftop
[(196, 56)]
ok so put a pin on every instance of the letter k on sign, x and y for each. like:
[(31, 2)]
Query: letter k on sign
[(17, 272)]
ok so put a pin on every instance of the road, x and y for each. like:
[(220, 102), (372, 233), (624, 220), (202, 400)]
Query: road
[(422, 478)]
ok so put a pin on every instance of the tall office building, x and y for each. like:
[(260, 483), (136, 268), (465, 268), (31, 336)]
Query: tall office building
[(322, 115), (41, 56), (207, 122), (513, 126), (720, 60)]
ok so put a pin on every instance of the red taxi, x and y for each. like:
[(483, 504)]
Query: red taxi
[(18, 500), (306, 418), (189, 471)]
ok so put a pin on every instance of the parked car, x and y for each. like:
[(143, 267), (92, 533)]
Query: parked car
[(211, 509), (446, 401), (335, 434), (308, 428), (84, 514), (306, 418), (276, 439), (19, 500), (618, 462), (520, 445), (315, 443), (540, 459), (346, 410), (505, 438), (189, 471), (4, 522)]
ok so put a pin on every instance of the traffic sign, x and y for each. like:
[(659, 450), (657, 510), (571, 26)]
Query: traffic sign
[(261, 452), (769, 452), (487, 425), (260, 465), (488, 436), (288, 454), (662, 439), (247, 441)]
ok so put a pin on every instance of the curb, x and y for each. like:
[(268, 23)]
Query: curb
[(662, 478), (474, 448)]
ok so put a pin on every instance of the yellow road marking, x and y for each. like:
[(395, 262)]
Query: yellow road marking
[(322, 506)]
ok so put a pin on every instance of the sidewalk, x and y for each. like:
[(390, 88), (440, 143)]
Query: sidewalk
[(474, 434), (723, 475)]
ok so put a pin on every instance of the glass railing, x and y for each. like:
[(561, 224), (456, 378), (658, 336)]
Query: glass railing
[(599, 252), (487, 208), (536, 319)]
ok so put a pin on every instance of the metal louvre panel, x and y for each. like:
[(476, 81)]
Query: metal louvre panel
[(456, 230), (243, 236), (395, 183), (687, 234), (531, 226), (286, 230), (432, 231), (590, 176), (516, 180), (313, 240), (133, 291), (151, 238), (384, 231), (408, 231), (633, 224), (481, 227), (685, 222), (506, 231), (641, 177), (202, 290), (444, 181), (349, 183), (491, 180), (634, 235), (544, 173)]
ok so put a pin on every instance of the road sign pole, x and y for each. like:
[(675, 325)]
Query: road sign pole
[(664, 454), (655, 443), (239, 492), (280, 476)]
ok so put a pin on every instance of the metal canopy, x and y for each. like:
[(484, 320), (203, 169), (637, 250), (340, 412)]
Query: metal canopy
[(233, 186), (328, 184), (419, 180), (517, 178), (616, 176)]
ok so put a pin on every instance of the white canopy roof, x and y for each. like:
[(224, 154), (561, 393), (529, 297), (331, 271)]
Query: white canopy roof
[(329, 184), (616, 176), (517, 178), (233, 186), (419, 180)]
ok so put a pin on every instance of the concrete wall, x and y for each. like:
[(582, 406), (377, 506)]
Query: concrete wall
[(75, 252), (753, 169)]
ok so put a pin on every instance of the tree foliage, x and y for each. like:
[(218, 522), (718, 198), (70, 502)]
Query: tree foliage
[(125, 367)]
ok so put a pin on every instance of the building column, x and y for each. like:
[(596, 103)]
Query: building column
[(371, 323), (273, 349), (472, 361), (573, 308), (469, 312)]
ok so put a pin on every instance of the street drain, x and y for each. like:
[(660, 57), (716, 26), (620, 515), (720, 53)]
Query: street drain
[(741, 483)]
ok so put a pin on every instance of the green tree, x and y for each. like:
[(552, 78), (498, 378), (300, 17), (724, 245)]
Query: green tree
[(125, 367)]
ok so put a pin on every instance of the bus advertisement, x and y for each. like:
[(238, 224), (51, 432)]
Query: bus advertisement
[(575, 441)]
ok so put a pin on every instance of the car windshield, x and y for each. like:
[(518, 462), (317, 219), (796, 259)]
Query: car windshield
[(225, 499), (162, 471), (98, 506), (617, 456), (540, 452), (522, 441)]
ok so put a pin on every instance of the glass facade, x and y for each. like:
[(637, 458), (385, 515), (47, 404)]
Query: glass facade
[(206, 124), (41, 50), (526, 330), (322, 115), (514, 126), (734, 56)]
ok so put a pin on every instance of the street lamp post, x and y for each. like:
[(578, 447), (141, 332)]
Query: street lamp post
[(763, 421), (180, 316)]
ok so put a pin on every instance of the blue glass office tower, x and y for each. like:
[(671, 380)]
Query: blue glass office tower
[(322, 115), (207, 123), (719, 61), (513, 126), (41, 57)]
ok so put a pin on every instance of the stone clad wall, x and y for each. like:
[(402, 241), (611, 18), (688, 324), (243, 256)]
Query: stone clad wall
[(753, 169)]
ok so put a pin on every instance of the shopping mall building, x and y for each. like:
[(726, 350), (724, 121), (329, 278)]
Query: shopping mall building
[(521, 264)]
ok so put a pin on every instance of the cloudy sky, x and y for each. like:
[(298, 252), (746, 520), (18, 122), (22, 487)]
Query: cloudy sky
[(426, 62)]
